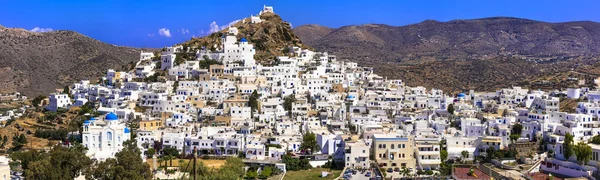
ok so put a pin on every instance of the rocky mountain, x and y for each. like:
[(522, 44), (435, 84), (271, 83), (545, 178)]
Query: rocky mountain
[(38, 63), (270, 37), (457, 39), (490, 52)]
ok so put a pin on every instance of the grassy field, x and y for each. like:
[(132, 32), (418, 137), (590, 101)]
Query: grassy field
[(314, 173), (212, 163)]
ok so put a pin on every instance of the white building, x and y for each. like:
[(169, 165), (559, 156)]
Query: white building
[(104, 138), (357, 155), (58, 101), (4, 168), (167, 61)]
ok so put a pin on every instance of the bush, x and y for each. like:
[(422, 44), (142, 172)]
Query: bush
[(251, 175), (265, 173), (295, 164), (52, 134)]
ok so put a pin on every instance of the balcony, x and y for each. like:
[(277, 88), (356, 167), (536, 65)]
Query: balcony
[(428, 153), (430, 161)]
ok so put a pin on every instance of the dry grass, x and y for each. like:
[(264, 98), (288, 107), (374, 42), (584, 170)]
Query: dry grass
[(568, 105), (30, 124), (314, 173), (211, 163)]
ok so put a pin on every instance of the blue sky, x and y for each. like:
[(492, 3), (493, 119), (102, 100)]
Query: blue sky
[(137, 22)]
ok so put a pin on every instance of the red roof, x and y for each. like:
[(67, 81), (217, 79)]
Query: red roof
[(463, 173)]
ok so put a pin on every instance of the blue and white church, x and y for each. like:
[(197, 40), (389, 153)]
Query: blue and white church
[(104, 138)]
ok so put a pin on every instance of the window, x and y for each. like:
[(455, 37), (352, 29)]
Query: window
[(109, 135)]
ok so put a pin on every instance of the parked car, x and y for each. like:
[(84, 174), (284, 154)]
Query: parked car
[(390, 170), (354, 172), (368, 174), (397, 169)]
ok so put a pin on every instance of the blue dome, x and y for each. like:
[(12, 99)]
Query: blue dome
[(350, 96), (111, 117), (243, 40), (93, 118), (126, 130), (86, 122), (461, 95)]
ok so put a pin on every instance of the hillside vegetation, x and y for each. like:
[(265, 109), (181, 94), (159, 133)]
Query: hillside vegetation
[(271, 37)]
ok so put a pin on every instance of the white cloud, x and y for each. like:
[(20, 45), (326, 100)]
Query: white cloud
[(290, 25), (164, 32), (38, 29), (184, 31), (230, 24), (214, 27)]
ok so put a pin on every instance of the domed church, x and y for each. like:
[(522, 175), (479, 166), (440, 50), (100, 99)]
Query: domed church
[(104, 138)]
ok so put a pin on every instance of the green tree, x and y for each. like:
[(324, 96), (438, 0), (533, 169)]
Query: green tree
[(583, 152), (253, 102), (295, 164), (288, 101), (444, 155), (205, 64), (18, 142), (58, 163), (127, 164), (405, 172), (171, 151), (429, 172), (266, 172), (450, 108), (517, 129), (514, 137), (464, 154), (37, 100), (568, 146), (150, 152), (67, 90), (251, 175), (595, 139), (309, 142)]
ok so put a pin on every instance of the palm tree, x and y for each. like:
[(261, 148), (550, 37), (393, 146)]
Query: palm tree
[(181, 162), (160, 160), (165, 159), (170, 159), (405, 171)]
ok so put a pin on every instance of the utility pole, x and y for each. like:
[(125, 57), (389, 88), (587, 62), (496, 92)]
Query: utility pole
[(194, 165)]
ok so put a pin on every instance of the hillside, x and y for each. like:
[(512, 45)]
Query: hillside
[(458, 39), (482, 54), (270, 37), (37, 63)]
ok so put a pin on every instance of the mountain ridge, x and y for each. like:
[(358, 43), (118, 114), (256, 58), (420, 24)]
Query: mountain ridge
[(433, 38), (39, 62), (538, 53)]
